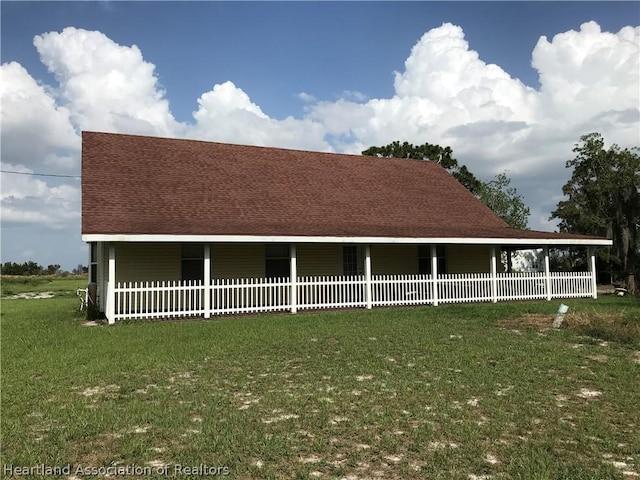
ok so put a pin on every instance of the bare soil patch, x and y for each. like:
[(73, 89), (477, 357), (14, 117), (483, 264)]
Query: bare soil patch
[(32, 295), (543, 321)]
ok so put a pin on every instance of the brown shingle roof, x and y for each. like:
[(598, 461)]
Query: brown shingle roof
[(149, 185)]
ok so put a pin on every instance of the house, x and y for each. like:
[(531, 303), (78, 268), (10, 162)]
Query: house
[(190, 228)]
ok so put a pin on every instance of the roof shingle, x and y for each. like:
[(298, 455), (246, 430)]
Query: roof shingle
[(151, 185)]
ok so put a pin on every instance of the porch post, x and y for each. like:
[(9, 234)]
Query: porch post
[(494, 272), (293, 274), (207, 280), (547, 276), (591, 258), (111, 286), (367, 275), (434, 273)]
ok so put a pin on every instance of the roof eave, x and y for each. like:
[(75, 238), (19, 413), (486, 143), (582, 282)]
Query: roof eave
[(523, 242)]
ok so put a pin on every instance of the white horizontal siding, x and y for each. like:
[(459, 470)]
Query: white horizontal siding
[(394, 259), (242, 260), (136, 262), (469, 259), (319, 259)]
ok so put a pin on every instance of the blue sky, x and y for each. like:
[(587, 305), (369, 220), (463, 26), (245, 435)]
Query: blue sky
[(328, 66), (273, 50)]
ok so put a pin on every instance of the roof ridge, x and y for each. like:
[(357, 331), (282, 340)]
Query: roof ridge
[(246, 145)]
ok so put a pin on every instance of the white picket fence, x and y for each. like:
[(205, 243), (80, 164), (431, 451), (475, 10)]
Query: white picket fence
[(134, 300), (250, 295), (522, 286), (158, 299), (401, 290), (331, 292)]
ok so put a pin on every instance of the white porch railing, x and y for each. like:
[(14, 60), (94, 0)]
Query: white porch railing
[(331, 292), (249, 295), (232, 296), (464, 287), (521, 286), (571, 284), (401, 289), (186, 299), (158, 299)]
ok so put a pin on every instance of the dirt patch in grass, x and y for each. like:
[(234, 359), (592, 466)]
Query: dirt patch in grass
[(604, 326), (94, 451), (32, 295), (542, 321)]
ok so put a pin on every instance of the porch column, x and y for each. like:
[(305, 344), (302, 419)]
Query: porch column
[(293, 276), (111, 286), (434, 273), (207, 280), (591, 260), (367, 275), (547, 276), (494, 273)]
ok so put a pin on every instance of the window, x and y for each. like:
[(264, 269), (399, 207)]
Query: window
[(93, 267), (350, 260), (276, 260), (424, 259), (192, 261)]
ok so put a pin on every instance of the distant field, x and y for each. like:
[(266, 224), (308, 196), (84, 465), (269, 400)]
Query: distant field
[(15, 284), (450, 392)]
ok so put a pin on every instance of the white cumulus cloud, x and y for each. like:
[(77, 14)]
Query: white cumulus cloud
[(589, 75), (34, 126), (30, 200), (227, 114), (106, 86), (306, 97)]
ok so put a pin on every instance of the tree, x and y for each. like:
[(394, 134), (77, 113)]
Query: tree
[(496, 194), (505, 201), (603, 198), (26, 268), (52, 270), (79, 270), (435, 153)]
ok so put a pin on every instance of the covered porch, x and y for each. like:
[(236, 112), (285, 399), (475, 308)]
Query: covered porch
[(291, 279)]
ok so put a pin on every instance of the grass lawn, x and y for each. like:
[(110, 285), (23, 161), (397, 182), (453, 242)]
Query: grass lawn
[(448, 392)]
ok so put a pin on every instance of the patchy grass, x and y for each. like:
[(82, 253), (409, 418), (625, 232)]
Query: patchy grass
[(61, 286), (451, 392)]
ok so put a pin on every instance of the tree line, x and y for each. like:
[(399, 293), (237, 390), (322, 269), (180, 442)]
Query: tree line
[(33, 268)]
